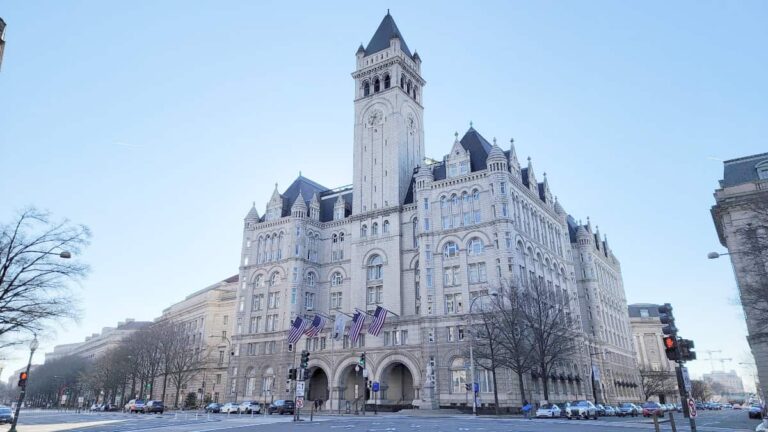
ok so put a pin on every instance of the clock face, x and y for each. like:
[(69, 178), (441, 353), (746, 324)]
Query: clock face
[(375, 117)]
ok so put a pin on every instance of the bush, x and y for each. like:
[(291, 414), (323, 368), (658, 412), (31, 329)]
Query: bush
[(190, 401)]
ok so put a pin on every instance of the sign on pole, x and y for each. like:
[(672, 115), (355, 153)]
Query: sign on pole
[(300, 388), (375, 386), (300, 402), (686, 380), (691, 408)]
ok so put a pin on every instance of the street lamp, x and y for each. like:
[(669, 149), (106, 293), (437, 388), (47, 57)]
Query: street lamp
[(716, 255), (32, 347), (471, 350)]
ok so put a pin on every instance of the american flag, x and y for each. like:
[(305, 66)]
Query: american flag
[(318, 323), (358, 319), (378, 321), (296, 330)]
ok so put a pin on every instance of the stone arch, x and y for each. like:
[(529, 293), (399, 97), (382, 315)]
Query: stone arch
[(375, 251), (404, 358), (476, 233), (384, 105), (454, 238), (342, 367)]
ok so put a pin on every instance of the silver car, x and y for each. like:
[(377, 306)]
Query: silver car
[(582, 409)]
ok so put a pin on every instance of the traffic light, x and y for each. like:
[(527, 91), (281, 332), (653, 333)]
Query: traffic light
[(23, 380), (304, 359), (666, 318), (292, 374), (686, 350), (468, 386), (361, 362), (670, 347)]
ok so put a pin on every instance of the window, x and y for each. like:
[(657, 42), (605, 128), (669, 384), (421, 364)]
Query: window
[(376, 85), (309, 301), (386, 81), (374, 294), (429, 278), (336, 279), (226, 319), (475, 246), (426, 224), (255, 324), (458, 376), (464, 167), (386, 227), (259, 281), (451, 276), (310, 279), (426, 203), (762, 170), (451, 250), (364, 231), (453, 304), (271, 323), (375, 229), (644, 313), (336, 300), (257, 302), (503, 188), (274, 279), (375, 265), (477, 273), (273, 301)]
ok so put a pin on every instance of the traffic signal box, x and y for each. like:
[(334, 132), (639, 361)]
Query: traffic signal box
[(23, 379)]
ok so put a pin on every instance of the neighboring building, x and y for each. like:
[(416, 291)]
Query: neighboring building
[(725, 383), (98, 343), (649, 346), (205, 317), (2, 41), (741, 219), (421, 238), (13, 380), (603, 313)]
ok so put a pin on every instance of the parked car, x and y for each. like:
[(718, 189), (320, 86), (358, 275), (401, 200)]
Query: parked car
[(610, 411), (213, 407), (281, 407), (154, 406), (652, 408), (737, 406), (249, 407), (6, 414), (755, 411), (581, 409), (97, 407), (134, 406), (600, 409), (563, 408), (628, 409), (229, 407), (548, 410)]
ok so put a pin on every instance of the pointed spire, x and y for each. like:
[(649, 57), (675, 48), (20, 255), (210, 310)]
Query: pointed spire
[(314, 201), (470, 124), (253, 214), (299, 208), (384, 33)]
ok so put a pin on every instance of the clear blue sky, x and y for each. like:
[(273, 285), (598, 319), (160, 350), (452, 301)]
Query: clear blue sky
[(157, 124)]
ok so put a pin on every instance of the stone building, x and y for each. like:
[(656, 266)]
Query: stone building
[(725, 383), (648, 342), (422, 238), (740, 215), (2, 41), (98, 344), (205, 317)]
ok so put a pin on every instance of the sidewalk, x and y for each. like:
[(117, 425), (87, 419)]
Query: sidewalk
[(57, 426)]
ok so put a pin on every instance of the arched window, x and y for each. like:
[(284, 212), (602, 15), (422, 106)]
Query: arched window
[(375, 265), (456, 210), (311, 279), (274, 279), (341, 237), (408, 87), (450, 250), (416, 93), (402, 81), (415, 232), (385, 227), (364, 231), (375, 229), (335, 238), (376, 85), (366, 88), (259, 281), (386, 81), (475, 246), (336, 279)]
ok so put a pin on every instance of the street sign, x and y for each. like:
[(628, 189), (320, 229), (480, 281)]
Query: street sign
[(375, 386), (686, 380), (300, 402), (365, 373), (691, 408), (300, 388)]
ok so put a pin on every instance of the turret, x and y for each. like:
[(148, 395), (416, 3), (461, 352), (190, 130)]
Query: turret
[(496, 161), (299, 208), (275, 206)]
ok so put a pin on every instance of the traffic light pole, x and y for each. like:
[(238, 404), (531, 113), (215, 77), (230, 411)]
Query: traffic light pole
[(665, 316), (21, 395)]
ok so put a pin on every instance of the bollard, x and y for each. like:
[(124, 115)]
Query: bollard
[(655, 422), (672, 422)]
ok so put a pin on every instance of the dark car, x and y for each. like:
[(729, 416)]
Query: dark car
[(628, 409), (213, 407), (651, 409), (154, 406), (281, 407), (755, 411), (6, 414)]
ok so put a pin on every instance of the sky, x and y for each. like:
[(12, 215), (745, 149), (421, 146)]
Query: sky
[(157, 124)]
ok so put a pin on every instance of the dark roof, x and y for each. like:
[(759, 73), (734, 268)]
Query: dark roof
[(409, 194), (328, 202), (231, 279), (742, 170), (307, 187), (572, 228), (478, 148), (634, 309), (386, 31)]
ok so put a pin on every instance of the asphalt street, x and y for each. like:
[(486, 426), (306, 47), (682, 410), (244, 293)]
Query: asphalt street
[(42, 421)]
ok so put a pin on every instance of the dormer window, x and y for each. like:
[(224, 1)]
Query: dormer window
[(762, 170)]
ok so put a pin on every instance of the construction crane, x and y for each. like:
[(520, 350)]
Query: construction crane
[(711, 359), (722, 362)]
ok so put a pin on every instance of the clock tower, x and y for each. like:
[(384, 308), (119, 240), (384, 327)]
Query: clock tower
[(389, 128)]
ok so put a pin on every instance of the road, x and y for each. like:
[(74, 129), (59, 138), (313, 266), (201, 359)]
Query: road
[(42, 421)]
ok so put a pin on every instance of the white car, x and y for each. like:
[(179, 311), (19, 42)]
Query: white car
[(230, 407), (548, 410), (249, 407), (582, 409)]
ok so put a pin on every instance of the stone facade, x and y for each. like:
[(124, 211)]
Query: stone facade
[(649, 346), (729, 382), (422, 238), (98, 344), (205, 316), (2, 41), (741, 209)]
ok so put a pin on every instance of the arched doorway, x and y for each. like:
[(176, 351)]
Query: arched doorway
[(397, 385), (352, 388), (319, 388)]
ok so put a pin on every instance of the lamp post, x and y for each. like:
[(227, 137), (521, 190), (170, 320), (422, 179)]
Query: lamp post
[(32, 347), (471, 349)]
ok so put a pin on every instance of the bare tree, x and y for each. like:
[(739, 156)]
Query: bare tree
[(34, 279), (515, 339), (488, 351), (700, 390), (185, 360), (55, 377), (551, 331), (657, 382)]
